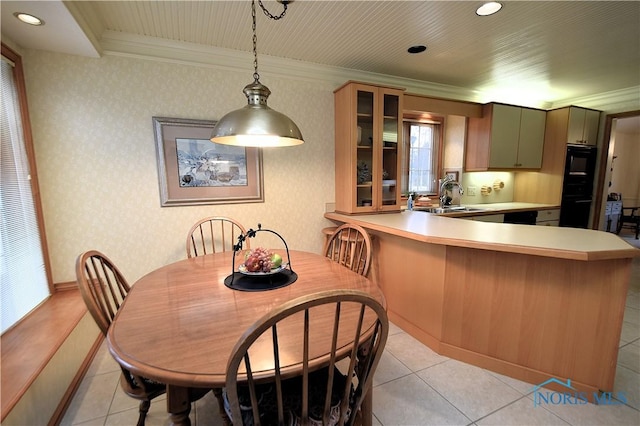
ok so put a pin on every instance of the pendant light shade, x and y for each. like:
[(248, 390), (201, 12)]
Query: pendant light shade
[(256, 124)]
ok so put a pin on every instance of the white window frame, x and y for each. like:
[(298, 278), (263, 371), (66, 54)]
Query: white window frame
[(430, 151)]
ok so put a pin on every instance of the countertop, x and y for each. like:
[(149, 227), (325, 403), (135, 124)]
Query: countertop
[(548, 241)]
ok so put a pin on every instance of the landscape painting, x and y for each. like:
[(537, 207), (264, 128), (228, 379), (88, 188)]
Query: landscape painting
[(203, 163), (194, 170)]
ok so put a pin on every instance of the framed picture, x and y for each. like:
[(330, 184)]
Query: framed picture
[(452, 174), (193, 170)]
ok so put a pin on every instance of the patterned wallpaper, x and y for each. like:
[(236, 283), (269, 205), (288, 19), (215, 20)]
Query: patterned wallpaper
[(96, 157)]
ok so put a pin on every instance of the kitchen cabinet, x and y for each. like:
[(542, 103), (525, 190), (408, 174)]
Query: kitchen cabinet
[(491, 290), (496, 218), (583, 126), (548, 217), (368, 148), (505, 137)]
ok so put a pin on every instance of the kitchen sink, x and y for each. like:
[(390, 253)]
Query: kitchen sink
[(449, 209)]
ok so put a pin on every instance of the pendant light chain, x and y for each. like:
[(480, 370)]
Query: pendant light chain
[(255, 124), (275, 18), (256, 76)]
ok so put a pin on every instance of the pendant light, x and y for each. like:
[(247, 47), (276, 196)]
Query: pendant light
[(256, 124)]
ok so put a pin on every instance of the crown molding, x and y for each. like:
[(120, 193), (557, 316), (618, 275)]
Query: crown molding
[(616, 100), (151, 48)]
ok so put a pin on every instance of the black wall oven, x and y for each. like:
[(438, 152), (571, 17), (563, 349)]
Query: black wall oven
[(577, 188)]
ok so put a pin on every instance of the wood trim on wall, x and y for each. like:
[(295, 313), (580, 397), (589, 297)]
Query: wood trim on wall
[(10, 54), (66, 286), (605, 163), (419, 104), (28, 346)]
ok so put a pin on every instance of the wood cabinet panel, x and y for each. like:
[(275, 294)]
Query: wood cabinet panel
[(545, 186), (368, 148), (411, 276), (418, 104), (526, 316)]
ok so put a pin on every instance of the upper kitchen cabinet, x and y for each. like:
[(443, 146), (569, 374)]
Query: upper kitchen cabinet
[(368, 148), (505, 137), (583, 126)]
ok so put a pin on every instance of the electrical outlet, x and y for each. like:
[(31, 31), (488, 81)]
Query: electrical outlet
[(471, 191)]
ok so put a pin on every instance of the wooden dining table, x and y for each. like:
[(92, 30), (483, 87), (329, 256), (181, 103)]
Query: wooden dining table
[(179, 324)]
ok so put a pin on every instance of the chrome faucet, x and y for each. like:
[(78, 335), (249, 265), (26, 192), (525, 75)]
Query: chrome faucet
[(447, 195)]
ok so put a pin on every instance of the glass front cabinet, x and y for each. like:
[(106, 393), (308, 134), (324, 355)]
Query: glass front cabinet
[(368, 122)]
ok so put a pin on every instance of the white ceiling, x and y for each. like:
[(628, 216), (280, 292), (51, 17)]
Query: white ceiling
[(544, 51)]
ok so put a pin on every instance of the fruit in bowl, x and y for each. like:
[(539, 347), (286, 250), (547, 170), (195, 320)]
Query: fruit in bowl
[(261, 260)]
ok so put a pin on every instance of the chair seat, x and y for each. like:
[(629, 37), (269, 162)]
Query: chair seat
[(149, 388), (317, 323), (292, 400)]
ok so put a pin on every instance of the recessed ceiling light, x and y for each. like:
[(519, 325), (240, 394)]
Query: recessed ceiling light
[(28, 19), (417, 49), (489, 8)]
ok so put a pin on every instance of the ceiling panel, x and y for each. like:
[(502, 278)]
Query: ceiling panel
[(553, 49)]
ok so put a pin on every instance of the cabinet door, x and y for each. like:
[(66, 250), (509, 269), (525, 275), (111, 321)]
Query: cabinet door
[(505, 131), (497, 218), (583, 126), (365, 111), (576, 125), (591, 125), (388, 173), (531, 140)]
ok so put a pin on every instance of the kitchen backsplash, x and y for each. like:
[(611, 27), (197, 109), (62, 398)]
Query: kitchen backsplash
[(487, 187)]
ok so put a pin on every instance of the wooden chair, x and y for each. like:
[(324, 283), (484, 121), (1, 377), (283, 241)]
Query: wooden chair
[(629, 221), (214, 234), (103, 289), (329, 325), (350, 245)]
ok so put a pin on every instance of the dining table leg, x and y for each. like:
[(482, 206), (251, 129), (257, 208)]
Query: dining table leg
[(179, 405)]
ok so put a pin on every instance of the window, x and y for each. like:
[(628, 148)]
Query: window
[(24, 281), (422, 163)]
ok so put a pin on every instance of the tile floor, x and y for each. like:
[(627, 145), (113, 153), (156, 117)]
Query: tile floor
[(412, 386)]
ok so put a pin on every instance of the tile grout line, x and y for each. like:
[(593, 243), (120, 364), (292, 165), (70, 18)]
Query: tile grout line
[(513, 402), (442, 396)]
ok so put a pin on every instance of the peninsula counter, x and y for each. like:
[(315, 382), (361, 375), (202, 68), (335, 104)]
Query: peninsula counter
[(529, 302)]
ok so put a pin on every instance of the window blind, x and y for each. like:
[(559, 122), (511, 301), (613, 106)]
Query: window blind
[(23, 280)]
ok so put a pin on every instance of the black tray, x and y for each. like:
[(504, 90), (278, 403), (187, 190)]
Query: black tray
[(242, 282)]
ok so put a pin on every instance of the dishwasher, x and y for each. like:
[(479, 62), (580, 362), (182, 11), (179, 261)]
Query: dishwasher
[(525, 218)]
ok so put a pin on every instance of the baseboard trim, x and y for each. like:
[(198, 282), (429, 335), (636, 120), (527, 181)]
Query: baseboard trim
[(66, 286)]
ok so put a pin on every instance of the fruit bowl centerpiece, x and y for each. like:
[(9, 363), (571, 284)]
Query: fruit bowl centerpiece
[(260, 261), (262, 269)]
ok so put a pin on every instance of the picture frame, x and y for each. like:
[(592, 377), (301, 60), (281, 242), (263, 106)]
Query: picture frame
[(454, 174), (192, 170)]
